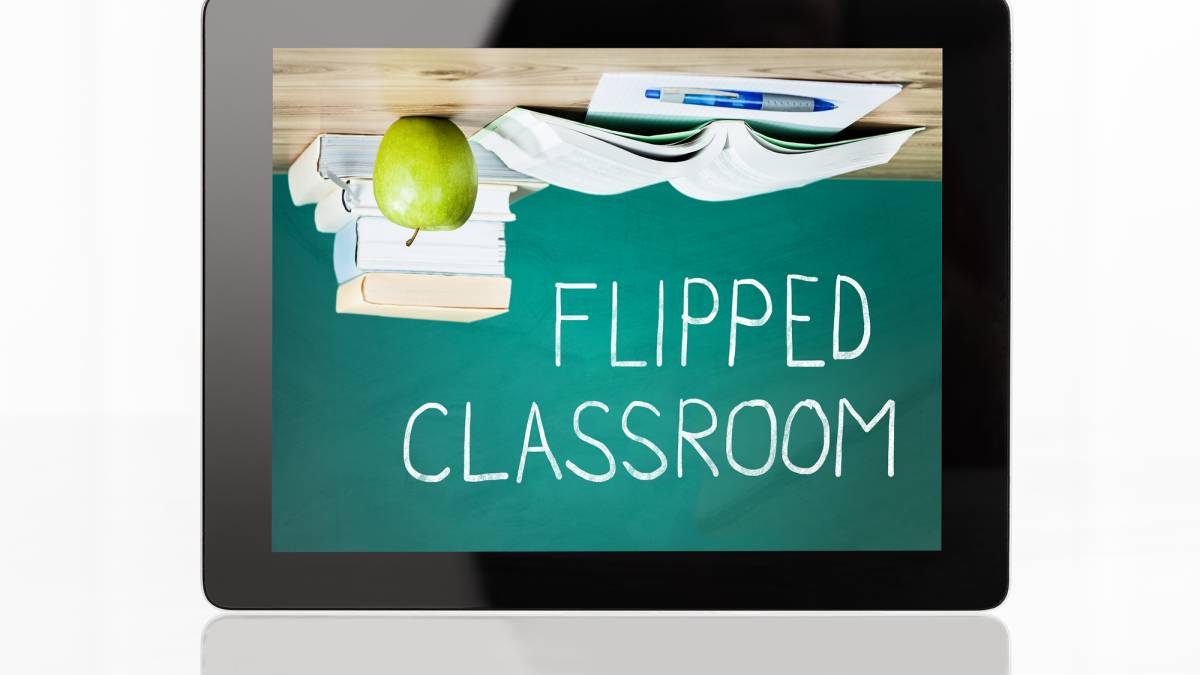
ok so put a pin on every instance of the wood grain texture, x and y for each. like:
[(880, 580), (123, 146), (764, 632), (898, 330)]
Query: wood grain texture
[(363, 90)]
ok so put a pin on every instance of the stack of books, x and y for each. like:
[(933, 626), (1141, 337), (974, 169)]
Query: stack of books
[(445, 276)]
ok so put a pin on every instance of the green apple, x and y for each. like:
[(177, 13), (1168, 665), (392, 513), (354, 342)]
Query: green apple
[(425, 176)]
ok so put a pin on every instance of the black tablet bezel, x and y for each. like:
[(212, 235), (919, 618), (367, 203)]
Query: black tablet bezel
[(240, 571)]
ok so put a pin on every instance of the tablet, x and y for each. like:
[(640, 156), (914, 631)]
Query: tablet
[(678, 305)]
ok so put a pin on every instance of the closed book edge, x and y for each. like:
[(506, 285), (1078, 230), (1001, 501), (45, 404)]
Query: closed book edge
[(526, 189), (307, 185), (492, 202), (430, 297), (347, 254), (332, 213), (305, 182)]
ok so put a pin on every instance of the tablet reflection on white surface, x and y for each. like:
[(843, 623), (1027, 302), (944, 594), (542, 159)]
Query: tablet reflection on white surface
[(611, 644)]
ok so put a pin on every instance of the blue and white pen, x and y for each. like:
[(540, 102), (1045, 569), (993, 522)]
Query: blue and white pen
[(745, 100)]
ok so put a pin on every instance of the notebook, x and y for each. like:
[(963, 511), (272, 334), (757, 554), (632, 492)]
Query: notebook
[(620, 102)]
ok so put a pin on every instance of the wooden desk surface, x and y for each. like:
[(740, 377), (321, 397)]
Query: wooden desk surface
[(364, 90)]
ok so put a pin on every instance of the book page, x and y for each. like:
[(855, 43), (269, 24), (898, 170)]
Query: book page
[(477, 247), (783, 145), (688, 144), (561, 154), (746, 168)]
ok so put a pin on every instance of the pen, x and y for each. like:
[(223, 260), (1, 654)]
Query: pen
[(745, 100)]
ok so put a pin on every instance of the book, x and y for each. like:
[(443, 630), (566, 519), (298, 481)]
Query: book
[(375, 244), (714, 161), (425, 296), (620, 102), (345, 156), (342, 206)]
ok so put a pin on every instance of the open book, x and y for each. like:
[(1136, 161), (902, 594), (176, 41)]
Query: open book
[(713, 161)]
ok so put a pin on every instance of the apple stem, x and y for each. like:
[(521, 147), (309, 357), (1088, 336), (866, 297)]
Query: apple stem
[(413, 238)]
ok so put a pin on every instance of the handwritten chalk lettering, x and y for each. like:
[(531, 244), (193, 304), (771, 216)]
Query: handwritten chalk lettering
[(599, 445), (687, 433), (690, 431), (691, 317), (543, 445), (559, 317), (662, 458), (888, 409), (798, 318), (689, 320), (614, 361), (758, 403), (658, 347), (693, 437), (467, 475), (787, 437), (838, 354), (736, 319), (423, 477)]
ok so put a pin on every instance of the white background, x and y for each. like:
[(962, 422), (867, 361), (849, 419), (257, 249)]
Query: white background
[(100, 338)]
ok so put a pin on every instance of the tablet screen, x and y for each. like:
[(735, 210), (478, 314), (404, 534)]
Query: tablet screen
[(693, 303)]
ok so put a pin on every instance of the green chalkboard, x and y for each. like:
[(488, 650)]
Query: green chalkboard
[(346, 385)]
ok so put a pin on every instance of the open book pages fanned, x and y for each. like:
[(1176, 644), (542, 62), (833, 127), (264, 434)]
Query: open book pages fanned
[(714, 161)]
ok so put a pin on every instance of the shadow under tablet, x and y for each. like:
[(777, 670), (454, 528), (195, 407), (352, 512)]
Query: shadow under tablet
[(696, 645)]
